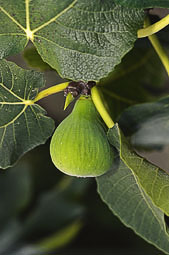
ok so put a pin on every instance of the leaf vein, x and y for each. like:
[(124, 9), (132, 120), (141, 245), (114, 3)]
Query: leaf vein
[(14, 20), (54, 18), (89, 31), (14, 135), (27, 126), (15, 118), (11, 92), (37, 119), (79, 52), (3, 135)]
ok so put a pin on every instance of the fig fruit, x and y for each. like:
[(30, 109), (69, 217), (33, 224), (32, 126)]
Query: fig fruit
[(79, 146)]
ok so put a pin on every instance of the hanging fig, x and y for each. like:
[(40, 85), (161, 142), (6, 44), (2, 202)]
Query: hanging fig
[(79, 146)]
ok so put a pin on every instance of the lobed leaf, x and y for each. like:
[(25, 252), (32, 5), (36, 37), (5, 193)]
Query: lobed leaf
[(22, 126), (82, 40), (144, 3), (136, 191)]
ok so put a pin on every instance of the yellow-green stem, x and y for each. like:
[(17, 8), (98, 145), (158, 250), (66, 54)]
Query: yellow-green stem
[(156, 27), (100, 107), (159, 49), (50, 91)]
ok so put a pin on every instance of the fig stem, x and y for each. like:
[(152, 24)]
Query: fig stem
[(68, 100), (158, 48), (152, 29), (52, 90), (100, 107)]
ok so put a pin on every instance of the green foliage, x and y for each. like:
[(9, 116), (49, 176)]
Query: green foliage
[(144, 3), (152, 179), (43, 219), (127, 195), (19, 120), (83, 40), (147, 124), (134, 80), (46, 224), (15, 190), (80, 39)]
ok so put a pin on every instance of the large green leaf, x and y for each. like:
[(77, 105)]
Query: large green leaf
[(124, 189), (81, 39), (147, 123), (22, 126), (154, 180), (144, 3), (134, 80)]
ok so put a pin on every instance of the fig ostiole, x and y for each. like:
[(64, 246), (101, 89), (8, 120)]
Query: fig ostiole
[(79, 146)]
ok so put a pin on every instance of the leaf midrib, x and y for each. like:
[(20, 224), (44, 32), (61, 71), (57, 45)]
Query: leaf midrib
[(30, 33)]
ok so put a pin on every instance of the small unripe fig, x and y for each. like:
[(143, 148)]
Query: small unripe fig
[(79, 146)]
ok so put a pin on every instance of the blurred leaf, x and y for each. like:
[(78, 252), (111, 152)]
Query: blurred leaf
[(15, 192), (61, 238), (43, 173), (144, 3), (134, 80), (25, 250), (49, 244), (22, 126), (123, 190), (147, 123), (53, 211), (50, 223), (34, 60), (9, 236), (82, 40), (74, 187)]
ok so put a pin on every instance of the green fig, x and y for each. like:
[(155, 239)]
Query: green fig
[(79, 146)]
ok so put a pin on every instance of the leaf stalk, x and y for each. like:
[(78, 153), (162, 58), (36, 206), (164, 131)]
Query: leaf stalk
[(158, 48), (50, 91), (152, 29), (100, 107)]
